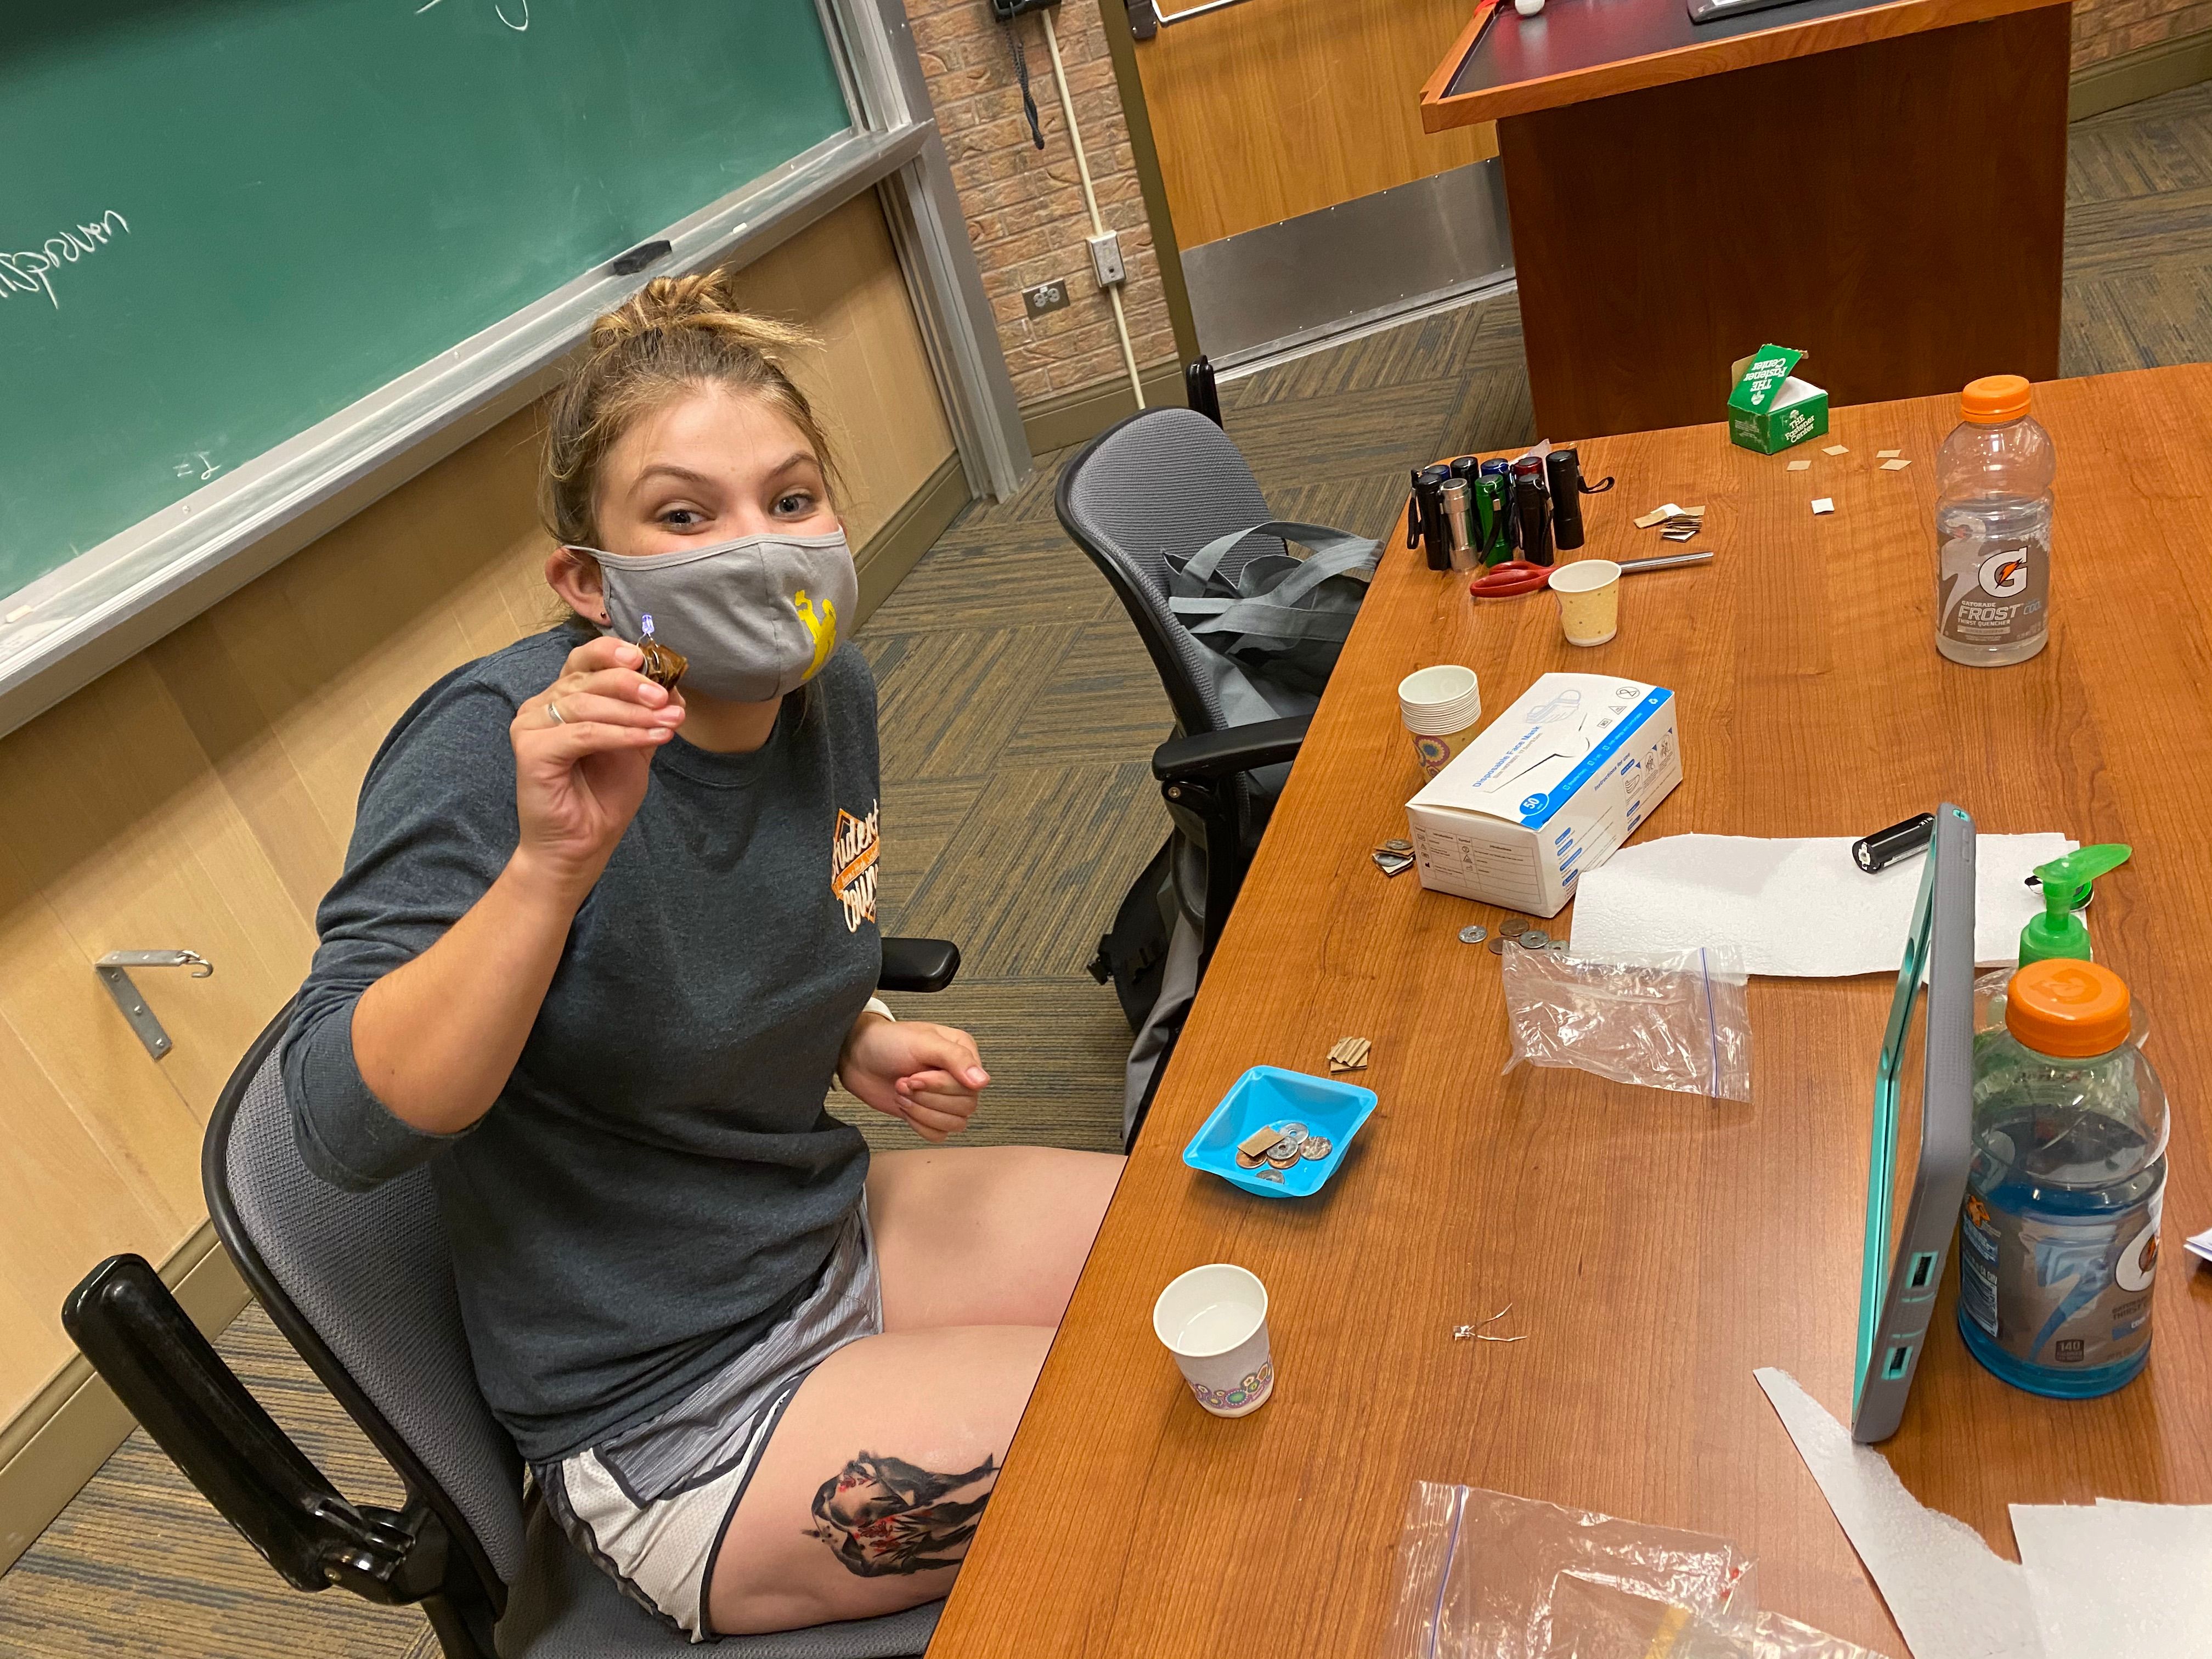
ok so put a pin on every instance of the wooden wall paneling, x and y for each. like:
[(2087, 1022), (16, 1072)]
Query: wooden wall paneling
[(1266, 111), (201, 795), (1650, 257)]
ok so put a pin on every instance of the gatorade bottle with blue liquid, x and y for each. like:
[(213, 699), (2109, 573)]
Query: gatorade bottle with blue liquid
[(2058, 1240)]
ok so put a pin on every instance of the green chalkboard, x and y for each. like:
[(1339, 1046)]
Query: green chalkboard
[(222, 221)]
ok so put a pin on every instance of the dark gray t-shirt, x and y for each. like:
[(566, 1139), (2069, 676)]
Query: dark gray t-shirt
[(659, 1180)]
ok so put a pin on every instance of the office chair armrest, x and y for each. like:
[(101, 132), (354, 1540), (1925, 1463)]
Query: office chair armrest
[(917, 965), (1237, 749), (170, 1377)]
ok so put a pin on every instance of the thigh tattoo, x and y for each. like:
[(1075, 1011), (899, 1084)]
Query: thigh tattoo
[(883, 1515)]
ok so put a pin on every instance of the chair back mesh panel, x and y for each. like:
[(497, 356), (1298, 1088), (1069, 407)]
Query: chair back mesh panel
[(371, 1272), (1166, 481)]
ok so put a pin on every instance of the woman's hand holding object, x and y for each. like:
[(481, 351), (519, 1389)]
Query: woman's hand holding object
[(583, 755), (930, 1075)]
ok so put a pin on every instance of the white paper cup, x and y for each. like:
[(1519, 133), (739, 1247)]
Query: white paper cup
[(1588, 592), (1441, 707), (1214, 1320)]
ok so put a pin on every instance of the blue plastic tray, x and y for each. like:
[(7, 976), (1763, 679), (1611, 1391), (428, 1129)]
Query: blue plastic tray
[(1268, 1094)]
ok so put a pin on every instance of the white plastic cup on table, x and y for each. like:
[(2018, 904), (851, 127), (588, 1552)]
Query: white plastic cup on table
[(1588, 592), (1441, 707), (1214, 1320)]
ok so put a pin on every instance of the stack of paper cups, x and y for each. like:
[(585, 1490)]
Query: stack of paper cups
[(1441, 707)]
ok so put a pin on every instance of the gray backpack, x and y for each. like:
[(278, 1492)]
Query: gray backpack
[(1273, 632)]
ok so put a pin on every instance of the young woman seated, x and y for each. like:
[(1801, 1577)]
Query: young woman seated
[(601, 944)]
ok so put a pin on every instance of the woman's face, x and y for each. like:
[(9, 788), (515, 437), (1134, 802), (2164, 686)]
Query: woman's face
[(709, 467)]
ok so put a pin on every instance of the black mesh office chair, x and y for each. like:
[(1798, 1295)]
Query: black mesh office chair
[(1169, 481), (362, 1285)]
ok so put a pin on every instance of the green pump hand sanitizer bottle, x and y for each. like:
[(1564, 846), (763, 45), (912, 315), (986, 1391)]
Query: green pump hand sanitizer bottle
[(2060, 931)]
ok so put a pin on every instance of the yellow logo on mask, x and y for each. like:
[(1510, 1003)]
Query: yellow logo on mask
[(822, 628)]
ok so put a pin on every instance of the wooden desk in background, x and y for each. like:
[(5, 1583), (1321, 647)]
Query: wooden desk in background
[(1656, 1247), (1883, 187)]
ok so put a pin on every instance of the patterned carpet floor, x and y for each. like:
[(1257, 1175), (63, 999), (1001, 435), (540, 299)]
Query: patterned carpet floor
[(1018, 713)]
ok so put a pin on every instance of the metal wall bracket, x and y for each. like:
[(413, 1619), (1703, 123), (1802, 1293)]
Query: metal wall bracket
[(112, 969)]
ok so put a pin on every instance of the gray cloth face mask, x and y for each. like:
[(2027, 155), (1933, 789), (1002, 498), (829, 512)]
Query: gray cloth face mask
[(757, 616)]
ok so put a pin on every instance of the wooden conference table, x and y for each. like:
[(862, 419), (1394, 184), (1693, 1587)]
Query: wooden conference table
[(1655, 1247), (1882, 186)]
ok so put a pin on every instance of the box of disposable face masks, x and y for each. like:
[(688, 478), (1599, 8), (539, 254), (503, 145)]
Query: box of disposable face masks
[(1546, 791)]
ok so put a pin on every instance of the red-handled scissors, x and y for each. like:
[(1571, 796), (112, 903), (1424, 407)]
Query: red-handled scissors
[(1514, 576)]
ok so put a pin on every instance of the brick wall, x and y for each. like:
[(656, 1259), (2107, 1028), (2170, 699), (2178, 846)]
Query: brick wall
[(1025, 212), (2105, 29)]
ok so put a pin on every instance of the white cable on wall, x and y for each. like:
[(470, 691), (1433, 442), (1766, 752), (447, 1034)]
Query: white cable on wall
[(1090, 199)]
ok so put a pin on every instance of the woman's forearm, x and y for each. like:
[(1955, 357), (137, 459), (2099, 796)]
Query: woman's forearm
[(436, 1039)]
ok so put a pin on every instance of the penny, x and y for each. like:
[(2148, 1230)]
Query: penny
[(1497, 944), (1271, 1175), (1513, 927), (1247, 1161), (1283, 1157), (1535, 939), (1317, 1147), (1473, 934)]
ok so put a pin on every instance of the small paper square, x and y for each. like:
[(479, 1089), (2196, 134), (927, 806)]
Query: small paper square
[(1837, 449), (1895, 466), (1655, 515), (1823, 505), (1800, 466), (1887, 454)]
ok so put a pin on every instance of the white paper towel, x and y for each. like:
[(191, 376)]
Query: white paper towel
[(1951, 1595), (1796, 907), (2112, 1578)]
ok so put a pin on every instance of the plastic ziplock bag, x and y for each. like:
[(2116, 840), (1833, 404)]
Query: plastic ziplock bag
[(1483, 1574), (1679, 1021)]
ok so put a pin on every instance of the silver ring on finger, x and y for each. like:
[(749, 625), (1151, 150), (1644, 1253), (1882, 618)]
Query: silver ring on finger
[(553, 714)]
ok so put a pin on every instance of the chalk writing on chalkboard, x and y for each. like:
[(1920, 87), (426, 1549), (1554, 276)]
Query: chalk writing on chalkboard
[(31, 271), (496, 11)]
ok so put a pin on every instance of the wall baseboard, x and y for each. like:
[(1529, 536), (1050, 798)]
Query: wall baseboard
[(1077, 417), (58, 1441), (2133, 77), (908, 533)]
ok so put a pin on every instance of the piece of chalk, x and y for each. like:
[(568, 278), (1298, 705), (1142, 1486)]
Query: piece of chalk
[(1800, 466), (1895, 466), (1837, 449), (1823, 505), (17, 614)]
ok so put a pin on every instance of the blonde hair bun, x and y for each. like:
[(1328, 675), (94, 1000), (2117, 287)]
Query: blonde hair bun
[(703, 301)]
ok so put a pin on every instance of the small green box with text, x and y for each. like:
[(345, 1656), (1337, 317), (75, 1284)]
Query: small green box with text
[(1771, 409)]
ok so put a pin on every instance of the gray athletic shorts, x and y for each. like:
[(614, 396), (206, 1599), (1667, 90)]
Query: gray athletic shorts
[(650, 1506)]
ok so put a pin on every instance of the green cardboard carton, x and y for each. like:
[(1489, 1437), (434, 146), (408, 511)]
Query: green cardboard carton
[(1771, 409)]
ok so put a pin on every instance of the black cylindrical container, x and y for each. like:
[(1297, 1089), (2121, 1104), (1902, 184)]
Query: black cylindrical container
[(1565, 470), (1464, 466), (1427, 516), (1532, 510)]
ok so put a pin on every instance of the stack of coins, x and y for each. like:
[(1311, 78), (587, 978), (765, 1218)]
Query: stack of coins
[(1280, 1146), (1395, 858)]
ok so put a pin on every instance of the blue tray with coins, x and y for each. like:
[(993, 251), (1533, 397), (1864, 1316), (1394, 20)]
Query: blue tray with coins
[(1279, 1134)]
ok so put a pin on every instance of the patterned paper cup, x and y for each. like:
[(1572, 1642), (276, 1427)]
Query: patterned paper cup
[(1588, 592), (1214, 1320), (1441, 707)]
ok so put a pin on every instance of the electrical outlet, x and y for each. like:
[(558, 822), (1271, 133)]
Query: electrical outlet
[(1045, 296), (1106, 259)]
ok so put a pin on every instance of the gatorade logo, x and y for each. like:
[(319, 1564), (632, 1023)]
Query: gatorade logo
[(2004, 574)]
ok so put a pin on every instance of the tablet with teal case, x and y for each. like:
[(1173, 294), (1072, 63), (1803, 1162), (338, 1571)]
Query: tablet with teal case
[(1923, 1132)]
